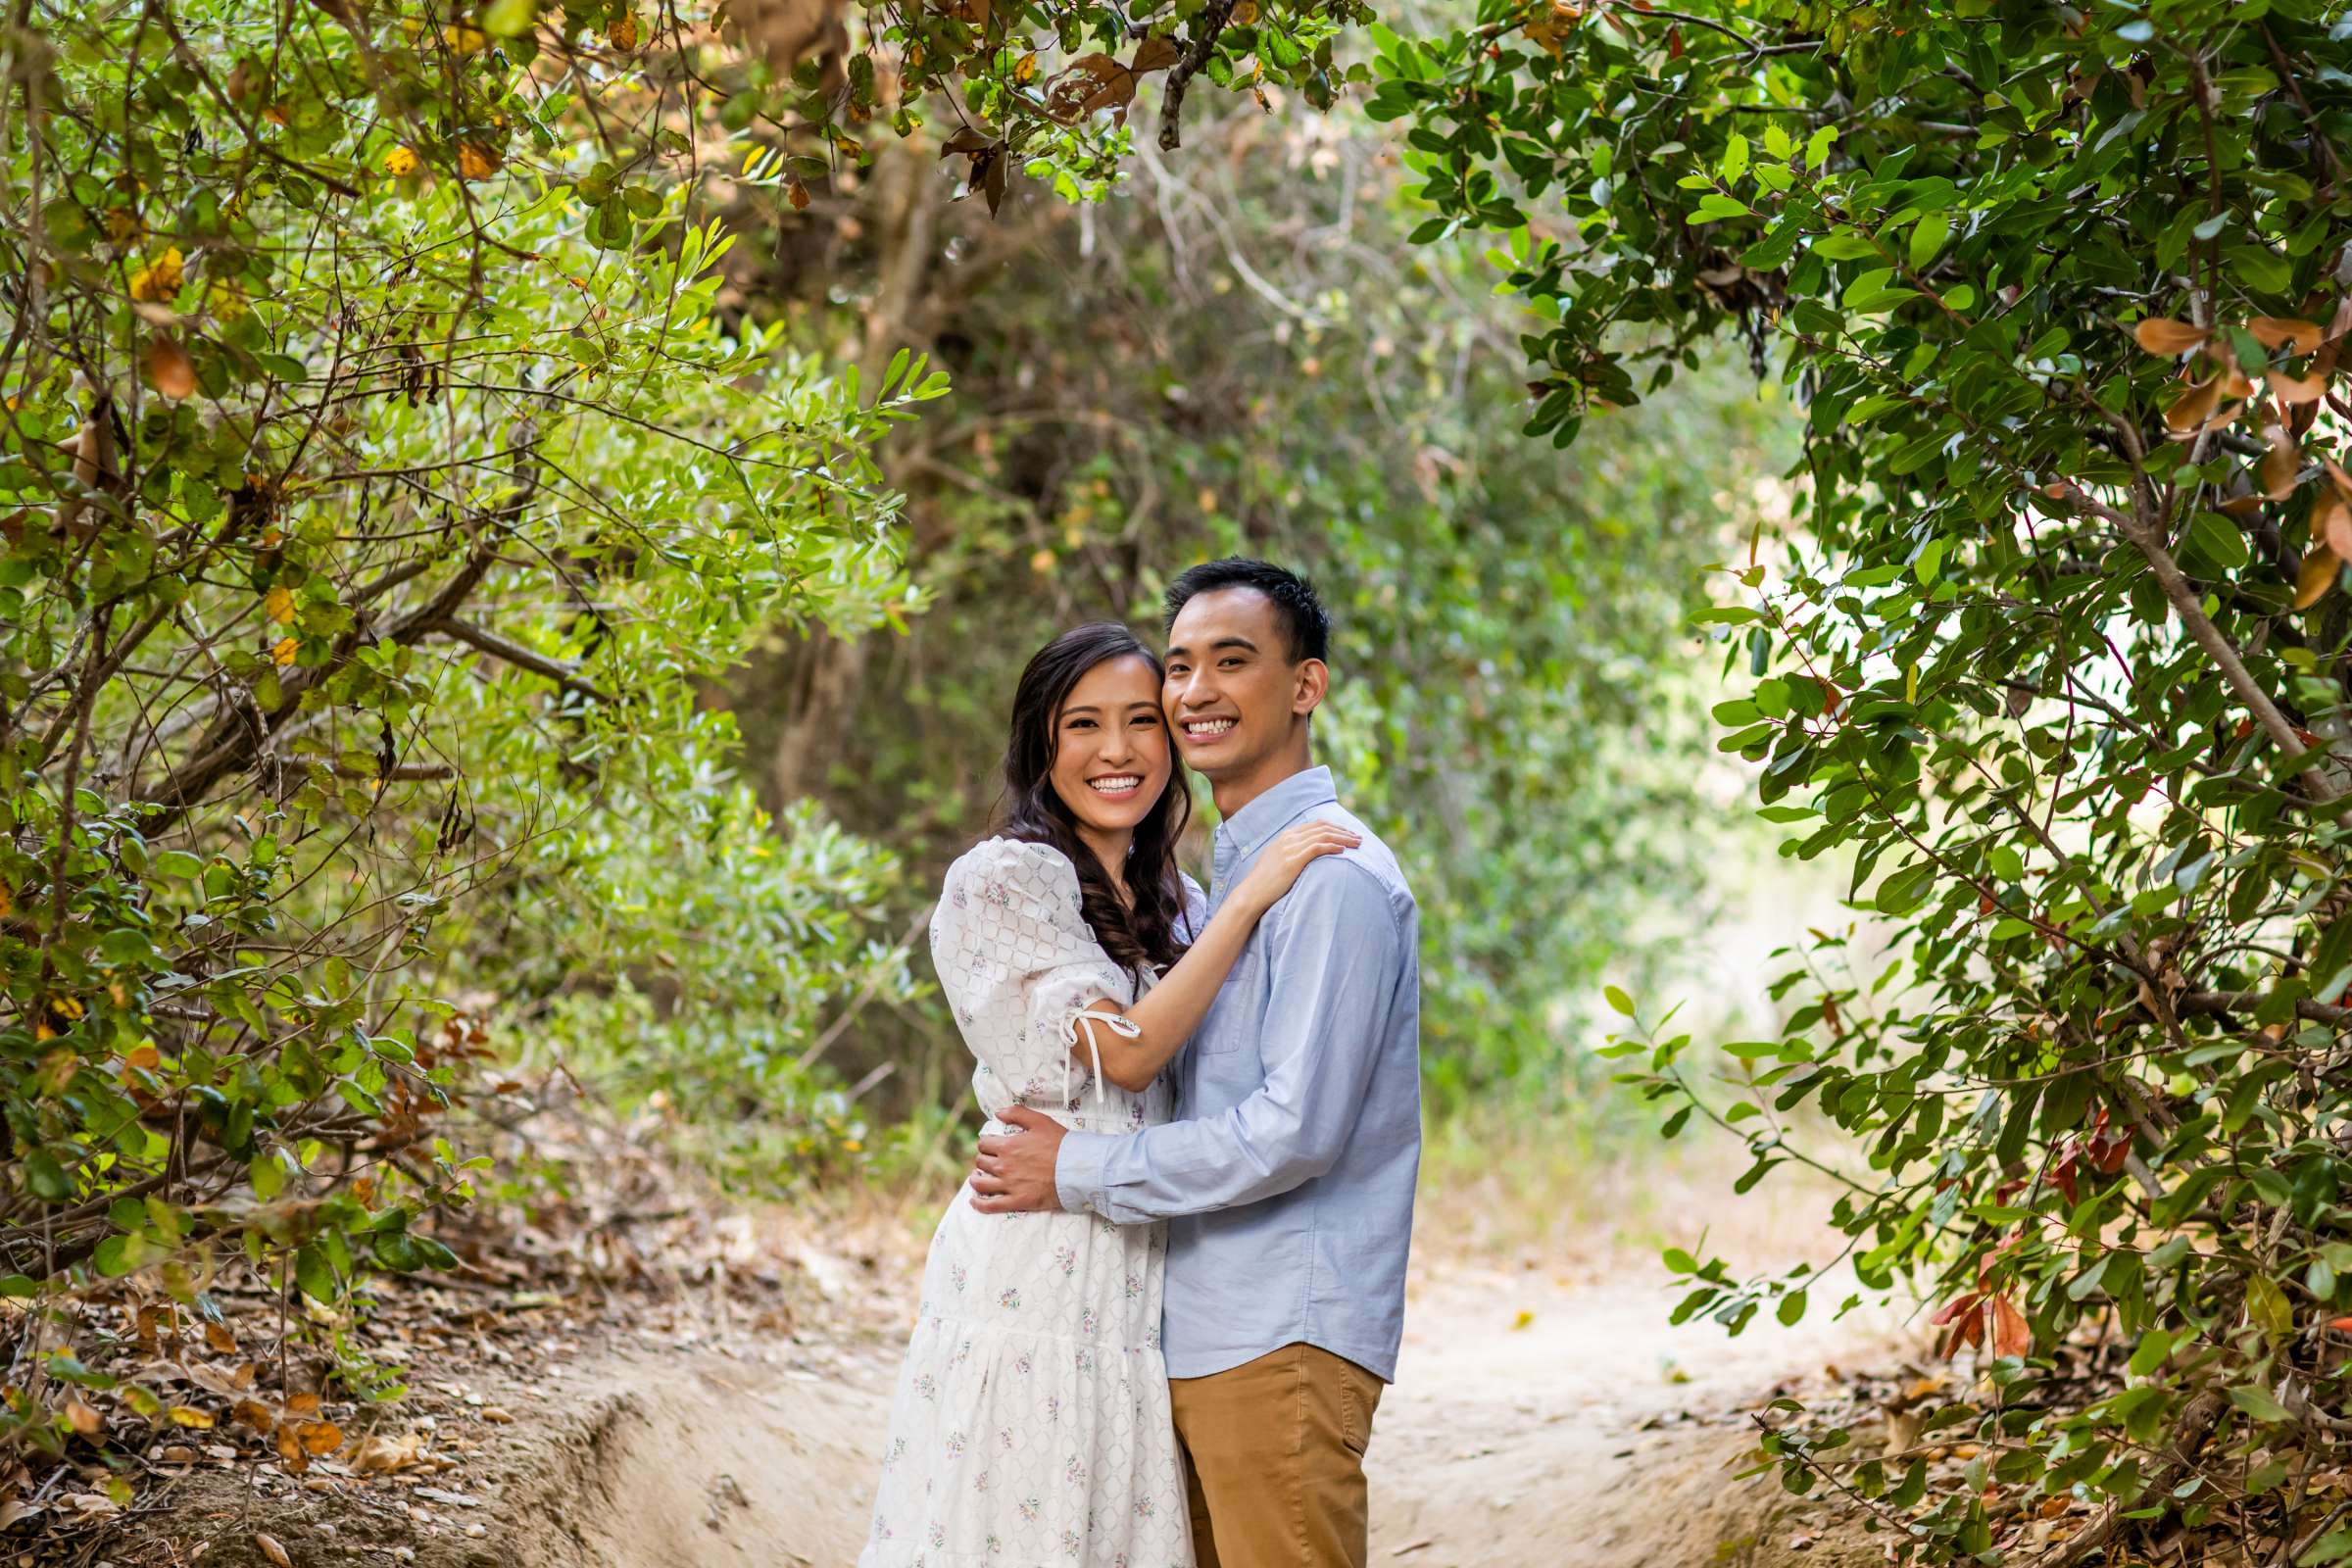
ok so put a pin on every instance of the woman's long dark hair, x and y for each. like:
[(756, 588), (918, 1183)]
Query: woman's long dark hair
[(1134, 936)]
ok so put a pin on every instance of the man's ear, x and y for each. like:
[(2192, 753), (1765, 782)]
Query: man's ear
[(1314, 679)]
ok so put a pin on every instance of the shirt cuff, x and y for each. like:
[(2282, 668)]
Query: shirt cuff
[(1078, 1170)]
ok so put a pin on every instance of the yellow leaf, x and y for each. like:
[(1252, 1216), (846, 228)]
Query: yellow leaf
[(2316, 578), (283, 652), (160, 278), (281, 606), (1043, 563), (464, 39), (122, 226), (400, 163), (2161, 334), (181, 1416), (1524, 1318), (1025, 71), (476, 161), (623, 33), (1245, 15)]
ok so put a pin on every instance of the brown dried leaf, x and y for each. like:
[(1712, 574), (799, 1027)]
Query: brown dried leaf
[(380, 1454), (215, 1334), (86, 1420), (2192, 408), (1156, 54), (271, 1550), (2281, 464), (2332, 525), (2161, 334), (2277, 332), (255, 1414), (2317, 576), (2012, 1335), (302, 1404), (289, 1449), (1086, 85), (320, 1437), (2297, 388), (788, 32), (994, 183)]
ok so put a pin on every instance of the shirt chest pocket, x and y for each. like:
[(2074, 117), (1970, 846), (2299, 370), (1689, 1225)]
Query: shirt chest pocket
[(1233, 1018)]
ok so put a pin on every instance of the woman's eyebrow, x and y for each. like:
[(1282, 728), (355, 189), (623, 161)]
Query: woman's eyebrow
[(1073, 713)]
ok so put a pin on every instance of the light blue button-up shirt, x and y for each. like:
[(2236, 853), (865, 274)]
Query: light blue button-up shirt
[(1289, 1183)]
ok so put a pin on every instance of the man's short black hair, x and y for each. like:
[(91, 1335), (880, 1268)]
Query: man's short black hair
[(1298, 610)]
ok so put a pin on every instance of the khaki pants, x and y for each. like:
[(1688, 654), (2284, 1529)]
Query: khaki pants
[(1274, 1458)]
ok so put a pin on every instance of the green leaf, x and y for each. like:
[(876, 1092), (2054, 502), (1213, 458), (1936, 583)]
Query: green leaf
[(2258, 1403), (1927, 239)]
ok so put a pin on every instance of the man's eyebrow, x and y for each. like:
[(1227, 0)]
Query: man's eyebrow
[(1181, 651)]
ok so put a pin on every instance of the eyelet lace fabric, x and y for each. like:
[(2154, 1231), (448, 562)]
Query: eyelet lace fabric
[(1031, 1426)]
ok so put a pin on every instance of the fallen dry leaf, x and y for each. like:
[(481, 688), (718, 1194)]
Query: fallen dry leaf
[(271, 1550)]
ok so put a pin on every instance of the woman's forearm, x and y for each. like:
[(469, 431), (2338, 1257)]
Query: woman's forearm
[(1166, 1016)]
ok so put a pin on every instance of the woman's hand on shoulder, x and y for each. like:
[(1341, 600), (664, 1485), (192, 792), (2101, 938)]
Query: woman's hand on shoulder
[(1277, 868)]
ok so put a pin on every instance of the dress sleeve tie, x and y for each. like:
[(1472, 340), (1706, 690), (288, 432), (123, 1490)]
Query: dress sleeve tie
[(1086, 1018)]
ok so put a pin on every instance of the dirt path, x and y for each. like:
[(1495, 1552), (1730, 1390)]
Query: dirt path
[(1591, 1434)]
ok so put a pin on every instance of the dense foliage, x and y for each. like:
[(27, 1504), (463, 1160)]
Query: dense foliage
[(376, 483), (2058, 663), (1267, 366)]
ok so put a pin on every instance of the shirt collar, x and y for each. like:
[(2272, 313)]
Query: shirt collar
[(1246, 830)]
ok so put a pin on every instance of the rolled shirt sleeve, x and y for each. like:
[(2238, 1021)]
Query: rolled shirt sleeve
[(1335, 952)]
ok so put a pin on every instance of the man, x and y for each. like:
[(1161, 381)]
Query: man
[(1288, 1185)]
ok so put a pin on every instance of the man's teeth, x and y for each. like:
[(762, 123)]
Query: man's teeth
[(1113, 786), (1208, 726)]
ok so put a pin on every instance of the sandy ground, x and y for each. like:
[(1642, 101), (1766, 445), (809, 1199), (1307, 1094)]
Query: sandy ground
[(1589, 1434), (1545, 1415)]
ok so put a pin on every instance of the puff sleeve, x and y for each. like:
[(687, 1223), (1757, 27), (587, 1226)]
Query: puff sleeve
[(1018, 963)]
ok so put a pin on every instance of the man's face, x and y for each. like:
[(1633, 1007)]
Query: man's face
[(1232, 692)]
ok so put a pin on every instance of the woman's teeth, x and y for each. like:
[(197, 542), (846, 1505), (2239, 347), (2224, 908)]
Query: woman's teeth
[(1118, 785)]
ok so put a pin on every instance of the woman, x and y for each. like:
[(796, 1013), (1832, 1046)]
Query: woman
[(1031, 1424)]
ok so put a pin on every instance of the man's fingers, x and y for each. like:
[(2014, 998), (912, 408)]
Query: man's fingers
[(992, 1164), (989, 1185), (991, 1144)]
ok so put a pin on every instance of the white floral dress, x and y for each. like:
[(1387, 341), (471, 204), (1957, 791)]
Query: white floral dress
[(1031, 1427)]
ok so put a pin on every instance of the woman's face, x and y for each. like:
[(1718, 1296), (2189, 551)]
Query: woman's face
[(1110, 745)]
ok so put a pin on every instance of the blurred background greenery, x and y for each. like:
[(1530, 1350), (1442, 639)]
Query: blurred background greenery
[(1237, 353)]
